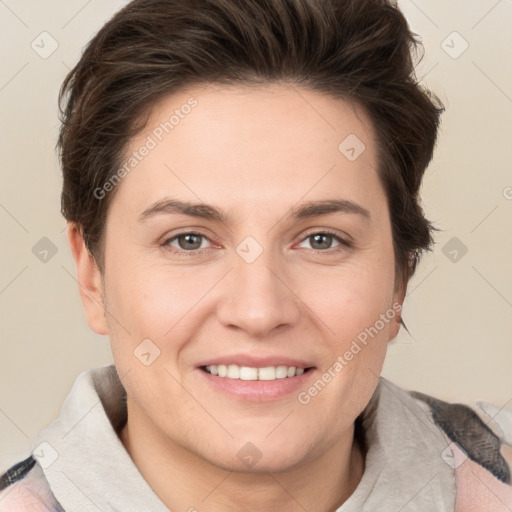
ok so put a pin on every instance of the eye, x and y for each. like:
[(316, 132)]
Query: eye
[(322, 241), (190, 242)]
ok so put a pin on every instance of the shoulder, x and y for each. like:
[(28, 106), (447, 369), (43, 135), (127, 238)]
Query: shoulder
[(479, 448), (482, 437), (24, 488)]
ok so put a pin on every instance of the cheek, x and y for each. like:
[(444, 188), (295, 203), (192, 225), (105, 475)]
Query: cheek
[(155, 302), (355, 307), (351, 297), (351, 303)]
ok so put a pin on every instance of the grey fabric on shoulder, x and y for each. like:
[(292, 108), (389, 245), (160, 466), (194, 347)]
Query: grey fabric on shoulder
[(464, 427)]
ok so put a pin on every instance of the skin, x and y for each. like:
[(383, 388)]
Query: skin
[(254, 152)]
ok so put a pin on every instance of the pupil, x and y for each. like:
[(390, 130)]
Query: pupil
[(189, 241), (320, 236)]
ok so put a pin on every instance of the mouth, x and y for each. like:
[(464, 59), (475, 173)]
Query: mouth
[(256, 378), (249, 373)]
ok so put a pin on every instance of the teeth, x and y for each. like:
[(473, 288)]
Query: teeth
[(233, 371), (281, 372), (247, 373), (267, 373)]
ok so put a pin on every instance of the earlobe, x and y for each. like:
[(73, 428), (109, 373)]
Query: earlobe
[(89, 281), (395, 326)]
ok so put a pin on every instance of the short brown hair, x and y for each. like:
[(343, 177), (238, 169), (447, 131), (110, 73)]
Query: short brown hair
[(357, 50)]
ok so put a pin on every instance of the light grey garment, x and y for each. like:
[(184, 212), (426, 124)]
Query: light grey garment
[(93, 472), (89, 470), (407, 469)]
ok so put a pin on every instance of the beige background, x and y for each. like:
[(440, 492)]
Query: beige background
[(459, 313)]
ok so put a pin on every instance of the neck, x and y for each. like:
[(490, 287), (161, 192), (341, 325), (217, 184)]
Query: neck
[(321, 484)]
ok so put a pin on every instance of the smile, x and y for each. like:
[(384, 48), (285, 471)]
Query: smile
[(234, 371)]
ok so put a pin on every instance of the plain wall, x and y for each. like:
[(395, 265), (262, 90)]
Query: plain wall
[(458, 312)]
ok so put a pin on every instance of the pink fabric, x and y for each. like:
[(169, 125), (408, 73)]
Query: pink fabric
[(32, 494), (477, 489), (23, 497)]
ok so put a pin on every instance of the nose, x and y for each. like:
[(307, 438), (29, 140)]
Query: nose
[(258, 298)]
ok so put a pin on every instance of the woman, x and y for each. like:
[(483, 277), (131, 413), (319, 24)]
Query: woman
[(241, 185)]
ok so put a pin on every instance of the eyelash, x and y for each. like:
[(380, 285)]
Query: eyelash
[(196, 252)]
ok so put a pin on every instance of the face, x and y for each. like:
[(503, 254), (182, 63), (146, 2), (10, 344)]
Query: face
[(275, 274)]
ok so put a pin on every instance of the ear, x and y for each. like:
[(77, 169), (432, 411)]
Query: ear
[(89, 281), (398, 299)]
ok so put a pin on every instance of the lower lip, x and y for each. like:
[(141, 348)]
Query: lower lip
[(257, 390)]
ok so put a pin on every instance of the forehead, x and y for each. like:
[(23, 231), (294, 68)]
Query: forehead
[(257, 143)]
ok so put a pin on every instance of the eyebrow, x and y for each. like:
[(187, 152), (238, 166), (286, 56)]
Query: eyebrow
[(209, 212)]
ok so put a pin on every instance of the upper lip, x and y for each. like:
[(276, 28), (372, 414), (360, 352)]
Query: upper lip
[(257, 362)]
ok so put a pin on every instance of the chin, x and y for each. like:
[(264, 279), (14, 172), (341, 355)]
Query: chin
[(257, 456), (278, 463)]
